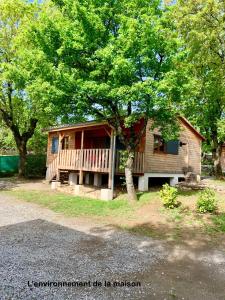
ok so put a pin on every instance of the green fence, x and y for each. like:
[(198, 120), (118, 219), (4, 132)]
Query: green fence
[(35, 165), (9, 164)]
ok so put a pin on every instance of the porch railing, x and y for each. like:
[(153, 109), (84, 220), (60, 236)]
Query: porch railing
[(138, 166), (96, 160)]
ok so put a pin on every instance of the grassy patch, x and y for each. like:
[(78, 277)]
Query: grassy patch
[(147, 216), (80, 206), (219, 222)]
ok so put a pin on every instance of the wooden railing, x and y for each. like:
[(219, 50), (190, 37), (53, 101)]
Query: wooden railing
[(95, 160), (138, 166), (52, 169)]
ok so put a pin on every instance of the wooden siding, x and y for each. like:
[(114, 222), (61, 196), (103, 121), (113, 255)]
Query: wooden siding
[(50, 155), (189, 155)]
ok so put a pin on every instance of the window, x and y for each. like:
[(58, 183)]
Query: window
[(55, 144), (170, 147), (65, 143), (159, 144)]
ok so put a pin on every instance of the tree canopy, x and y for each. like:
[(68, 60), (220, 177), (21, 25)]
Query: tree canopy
[(201, 28), (116, 63)]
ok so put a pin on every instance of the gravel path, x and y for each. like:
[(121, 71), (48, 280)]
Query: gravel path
[(38, 245)]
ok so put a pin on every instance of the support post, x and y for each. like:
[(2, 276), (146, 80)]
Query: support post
[(81, 173), (97, 179), (110, 160), (58, 157), (87, 178), (73, 178), (173, 181), (143, 183)]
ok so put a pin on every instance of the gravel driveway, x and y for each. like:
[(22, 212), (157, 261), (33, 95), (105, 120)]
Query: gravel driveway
[(40, 247)]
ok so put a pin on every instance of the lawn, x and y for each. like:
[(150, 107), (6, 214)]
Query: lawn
[(147, 216)]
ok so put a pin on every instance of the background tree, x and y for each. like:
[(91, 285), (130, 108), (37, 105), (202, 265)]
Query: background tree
[(117, 62), (201, 25), (26, 95)]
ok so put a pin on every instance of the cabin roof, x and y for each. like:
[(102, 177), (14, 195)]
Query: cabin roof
[(99, 123), (192, 128), (76, 125)]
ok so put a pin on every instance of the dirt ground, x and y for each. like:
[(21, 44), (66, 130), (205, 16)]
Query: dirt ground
[(38, 245)]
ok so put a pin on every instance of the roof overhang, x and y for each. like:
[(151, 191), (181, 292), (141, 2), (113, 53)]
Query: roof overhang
[(90, 124), (76, 126), (192, 128)]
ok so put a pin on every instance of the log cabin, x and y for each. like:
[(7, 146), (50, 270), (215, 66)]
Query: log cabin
[(92, 150)]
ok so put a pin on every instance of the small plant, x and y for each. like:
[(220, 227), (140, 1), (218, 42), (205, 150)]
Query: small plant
[(169, 195), (207, 201)]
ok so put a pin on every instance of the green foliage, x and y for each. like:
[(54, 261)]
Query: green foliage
[(207, 201), (200, 26), (169, 195), (113, 60), (35, 166), (38, 143), (219, 222), (7, 142)]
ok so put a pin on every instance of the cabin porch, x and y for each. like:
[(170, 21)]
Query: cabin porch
[(88, 152)]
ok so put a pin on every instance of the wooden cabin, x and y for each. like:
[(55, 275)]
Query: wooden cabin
[(91, 149)]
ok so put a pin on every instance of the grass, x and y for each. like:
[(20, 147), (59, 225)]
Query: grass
[(80, 206), (74, 206), (147, 216)]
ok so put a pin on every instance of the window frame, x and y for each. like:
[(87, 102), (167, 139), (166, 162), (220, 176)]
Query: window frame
[(65, 145), (158, 150), (56, 150)]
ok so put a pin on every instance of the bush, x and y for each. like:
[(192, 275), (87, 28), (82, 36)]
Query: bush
[(207, 201), (169, 195), (35, 166)]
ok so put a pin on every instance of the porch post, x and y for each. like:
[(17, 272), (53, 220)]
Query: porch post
[(81, 173), (110, 160), (59, 149)]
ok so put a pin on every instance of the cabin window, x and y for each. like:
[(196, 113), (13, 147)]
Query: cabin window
[(170, 147), (55, 144), (159, 144), (65, 143)]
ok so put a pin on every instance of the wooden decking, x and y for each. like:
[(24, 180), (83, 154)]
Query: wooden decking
[(93, 160)]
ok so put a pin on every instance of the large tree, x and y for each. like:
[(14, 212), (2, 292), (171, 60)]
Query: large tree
[(117, 63), (201, 26), (26, 95)]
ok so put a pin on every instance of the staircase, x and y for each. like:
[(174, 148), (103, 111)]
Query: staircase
[(52, 170)]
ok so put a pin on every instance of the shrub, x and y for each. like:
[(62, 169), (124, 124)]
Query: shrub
[(169, 195), (207, 201), (35, 166)]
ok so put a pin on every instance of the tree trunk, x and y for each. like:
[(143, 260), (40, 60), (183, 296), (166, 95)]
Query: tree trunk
[(23, 156), (129, 177), (217, 152)]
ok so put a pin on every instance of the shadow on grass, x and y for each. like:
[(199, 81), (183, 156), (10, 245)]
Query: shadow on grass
[(187, 193), (219, 222)]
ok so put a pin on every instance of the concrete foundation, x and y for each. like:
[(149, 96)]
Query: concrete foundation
[(73, 178), (78, 189), (143, 180), (106, 194), (173, 181), (87, 178), (97, 179), (55, 185), (143, 183)]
